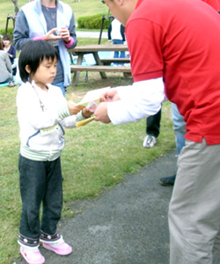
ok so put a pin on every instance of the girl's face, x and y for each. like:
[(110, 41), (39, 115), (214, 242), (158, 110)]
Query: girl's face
[(45, 73), (6, 42)]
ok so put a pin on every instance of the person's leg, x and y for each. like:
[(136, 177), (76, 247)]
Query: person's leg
[(116, 53), (194, 210), (152, 130), (153, 124), (14, 69), (32, 188), (179, 127), (52, 208), (9, 79), (122, 53), (53, 197)]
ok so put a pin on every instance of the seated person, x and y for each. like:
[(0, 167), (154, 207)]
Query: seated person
[(5, 66), (10, 49)]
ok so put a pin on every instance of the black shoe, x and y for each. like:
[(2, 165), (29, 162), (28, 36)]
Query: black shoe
[(168, 181)]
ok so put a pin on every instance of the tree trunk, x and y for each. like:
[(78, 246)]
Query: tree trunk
[(15, 2)]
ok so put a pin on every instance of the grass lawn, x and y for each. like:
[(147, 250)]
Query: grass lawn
[(89, 7)]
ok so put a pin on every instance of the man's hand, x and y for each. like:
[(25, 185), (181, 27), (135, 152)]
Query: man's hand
[(101, 113), (110, 95), (50, 35)]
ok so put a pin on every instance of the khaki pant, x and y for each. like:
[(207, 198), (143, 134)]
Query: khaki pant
[(194, 212)]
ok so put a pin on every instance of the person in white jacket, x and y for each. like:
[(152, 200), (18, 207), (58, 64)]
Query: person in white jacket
[(116, 34), (52, 21), (42, 113)]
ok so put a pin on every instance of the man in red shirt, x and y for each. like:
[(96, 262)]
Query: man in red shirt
[(181, 41), (178, 119), (214, 3)]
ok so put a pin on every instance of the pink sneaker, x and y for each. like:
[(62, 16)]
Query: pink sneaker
[(32, 255), (60, 247)]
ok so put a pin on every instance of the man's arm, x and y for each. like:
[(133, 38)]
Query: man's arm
[(137, 101)]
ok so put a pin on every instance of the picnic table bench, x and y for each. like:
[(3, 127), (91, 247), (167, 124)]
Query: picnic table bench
[(98, 66), (108, 61)]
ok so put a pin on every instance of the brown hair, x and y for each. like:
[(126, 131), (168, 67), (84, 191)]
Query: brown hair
[(6, 37)]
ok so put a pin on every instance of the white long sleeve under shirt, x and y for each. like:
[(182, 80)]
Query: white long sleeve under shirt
[(138, 101)]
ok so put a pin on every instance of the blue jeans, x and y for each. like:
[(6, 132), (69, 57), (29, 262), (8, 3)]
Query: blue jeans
[(40, 182), (62, 87), (116, 53), (179, 127)]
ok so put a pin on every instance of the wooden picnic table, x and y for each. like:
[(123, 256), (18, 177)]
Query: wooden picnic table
[(80, 51)]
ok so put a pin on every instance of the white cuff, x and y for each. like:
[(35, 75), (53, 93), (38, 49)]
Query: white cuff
[(138, 101)]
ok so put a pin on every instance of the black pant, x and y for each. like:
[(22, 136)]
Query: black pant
[(153, 124), (14, 71), (40, 182)]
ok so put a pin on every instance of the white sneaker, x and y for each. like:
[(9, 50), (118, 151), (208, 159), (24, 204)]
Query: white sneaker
[(149, 141), (12, 84)]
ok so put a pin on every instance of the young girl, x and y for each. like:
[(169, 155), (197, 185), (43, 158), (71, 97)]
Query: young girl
[(42, 113)]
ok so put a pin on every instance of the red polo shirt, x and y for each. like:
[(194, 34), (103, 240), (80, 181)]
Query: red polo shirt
[(180, 41), (214, 3)]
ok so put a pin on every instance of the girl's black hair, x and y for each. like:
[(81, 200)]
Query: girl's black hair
[(32, 54)]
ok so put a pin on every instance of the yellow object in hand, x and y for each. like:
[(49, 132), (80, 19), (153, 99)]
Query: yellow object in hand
[(84, 122)]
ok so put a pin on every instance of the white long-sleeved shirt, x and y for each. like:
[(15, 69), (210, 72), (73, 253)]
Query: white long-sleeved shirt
[(138, 101), (42, 116)]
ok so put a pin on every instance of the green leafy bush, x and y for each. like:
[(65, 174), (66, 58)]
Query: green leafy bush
[(9, 32), (92, 22)]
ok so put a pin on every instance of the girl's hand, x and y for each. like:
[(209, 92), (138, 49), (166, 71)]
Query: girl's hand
[(86, 112), (73, 108)]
